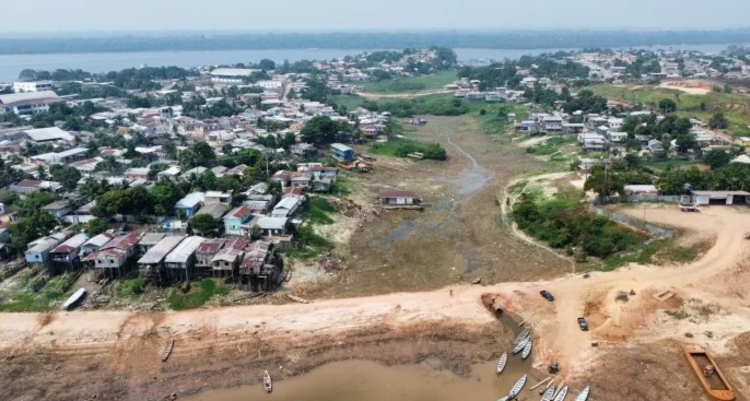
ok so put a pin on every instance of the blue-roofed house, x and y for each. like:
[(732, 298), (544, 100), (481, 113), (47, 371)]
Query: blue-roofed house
[(342, 152), (190, 204)]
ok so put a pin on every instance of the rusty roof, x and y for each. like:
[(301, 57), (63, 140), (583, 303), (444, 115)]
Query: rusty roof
[(241, 212), (211, 246), (236, 243), (396, 193), (123, 242)]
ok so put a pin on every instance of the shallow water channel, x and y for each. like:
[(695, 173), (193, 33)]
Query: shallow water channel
[(368, 381)]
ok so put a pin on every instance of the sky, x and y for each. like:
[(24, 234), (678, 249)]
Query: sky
[(51, 16)]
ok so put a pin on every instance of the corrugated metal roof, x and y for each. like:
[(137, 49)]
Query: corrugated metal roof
[(159, 251), (71, 244), (211, 246), (182, 252), (151, 239), (395, 193), (123, 242)]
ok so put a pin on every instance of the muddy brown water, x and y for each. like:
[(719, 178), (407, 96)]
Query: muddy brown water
[(369, 381)]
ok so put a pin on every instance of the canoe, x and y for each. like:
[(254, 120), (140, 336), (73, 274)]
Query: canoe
[(520, 346), (73, 300), (477, 280), (267, 382), (517, 387), (167, 351), (501, 363), (562, 394), (584, 394), (503, 398), (526, 350), (716, 386), (297, 299), (525, 333), (547, 396)]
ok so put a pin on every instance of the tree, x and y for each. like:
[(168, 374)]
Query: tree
[(96, 227), (131, 153), (604, 184), (667, 106), (110, 203), (30, 228), (165, 195), (207, 181), (266, 65), (716, 158), (205, 224), (67, 176), (718, 121), (200, 155), (227, 149), (321, 130), (33, 203)]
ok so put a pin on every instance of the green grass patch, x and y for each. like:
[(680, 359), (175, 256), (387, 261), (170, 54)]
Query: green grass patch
[(735, 107), (131, 287), (402, 147), (495, 120), (412, 84), (51, 294), (319, 211), (193, 295), (674, 163)]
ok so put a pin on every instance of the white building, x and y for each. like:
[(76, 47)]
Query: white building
[(24, 104), (51, 134), (231, 75), (37, 86), (270, 85)]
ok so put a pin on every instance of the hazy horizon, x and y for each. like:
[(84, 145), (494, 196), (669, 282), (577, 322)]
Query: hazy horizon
[(159, 17)]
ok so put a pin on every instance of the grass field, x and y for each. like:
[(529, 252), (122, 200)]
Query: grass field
[(736, 108), (197, 294), (412, 84)]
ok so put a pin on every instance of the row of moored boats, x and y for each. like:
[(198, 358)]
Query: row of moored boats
[(523, 344)]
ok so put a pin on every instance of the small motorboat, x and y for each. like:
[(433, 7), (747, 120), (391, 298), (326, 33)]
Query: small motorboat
[(526, 350), (547, 396), (267, 383), (502, 362), (525, 333), (520, 346), (562, 394), (517, 387), (584, 394)]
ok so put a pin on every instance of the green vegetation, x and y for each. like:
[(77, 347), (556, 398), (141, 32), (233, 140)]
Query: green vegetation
[(192, 295), (734, 108), (311, 244), (44, 299), (563, 223), (319, 212), (131, 287), (444, 104), (549, 147), (401, 147), (495, 119), (412, 84)]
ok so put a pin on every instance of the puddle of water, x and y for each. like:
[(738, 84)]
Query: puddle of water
[(369, 381)]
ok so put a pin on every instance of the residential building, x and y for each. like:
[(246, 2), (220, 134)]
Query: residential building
[(170, 173), (137, 173), (303, 150), (58, 209), (38, 250), (148, 241), (235, 219), (151, 264), (655, 146), (206, 251), (287, 207), (648, 190), (272, 226), (260, 265), (301, 180), (113, 256), (32, 86), (397, 197), (190, 204), (45, 135), (25, 187), (324, 172), (232, 75), (282, 176), (342, 152), (68, 252), (617, 136), (26, 104), (229, 257), (212, 197), (95, 243), (180, 262)]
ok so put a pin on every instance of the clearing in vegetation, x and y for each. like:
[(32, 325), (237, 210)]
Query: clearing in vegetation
[(412, 84), (191, 295)]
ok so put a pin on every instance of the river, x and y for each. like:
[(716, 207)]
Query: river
[(369, 381), (12, 65)]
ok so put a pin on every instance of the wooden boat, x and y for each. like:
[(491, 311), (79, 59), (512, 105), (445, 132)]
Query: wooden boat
[(584, 394), (562, 394), (715, 386), (267, 383), (167, 351), (74, 299), (526, 350), (547, 396), (524, 333), (503, 398), (477, 280), (517, 387), (501, 363), (521, 345), (297, 299)]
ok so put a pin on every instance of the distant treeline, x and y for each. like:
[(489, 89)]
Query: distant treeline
[(375, 40)]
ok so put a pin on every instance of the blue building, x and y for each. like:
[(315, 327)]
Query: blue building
[(190, 204), (235, 219), (342, 152)]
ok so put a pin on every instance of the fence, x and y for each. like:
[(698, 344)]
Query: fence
[(610, 200), (650, 228)]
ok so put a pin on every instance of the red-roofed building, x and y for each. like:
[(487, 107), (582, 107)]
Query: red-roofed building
[(234, 220), (114, 254)]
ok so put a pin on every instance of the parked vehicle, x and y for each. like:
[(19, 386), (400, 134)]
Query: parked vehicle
[(546, 294), (583, 324)]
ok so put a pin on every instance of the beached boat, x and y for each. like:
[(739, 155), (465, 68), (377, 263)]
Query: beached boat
[(517, 387), (547, 396), (74, 299), (167, 351), (503, 398), (267, 382), (501, 363), (562, 394), (584, 394), (521, 336), (714, 383), (526, 350), (520, 346)]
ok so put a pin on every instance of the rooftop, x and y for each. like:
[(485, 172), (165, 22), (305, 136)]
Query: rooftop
[(160, 250), (49, 134), (182, 252), (27, 96), (395, 193), (98, 240), (190, 200), (151, 239), (124, 242), (211, 245), (236, 72)]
